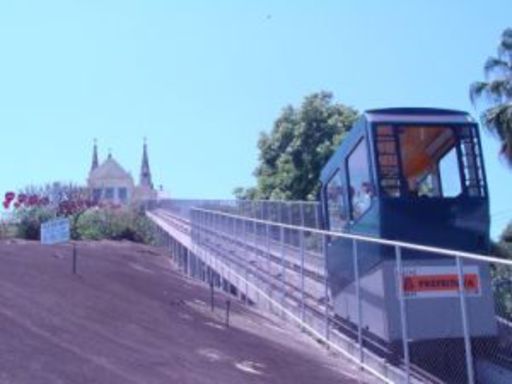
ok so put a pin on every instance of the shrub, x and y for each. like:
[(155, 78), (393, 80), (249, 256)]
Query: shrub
[(91, 224), (30, 220), (7, 230), (114, 224)]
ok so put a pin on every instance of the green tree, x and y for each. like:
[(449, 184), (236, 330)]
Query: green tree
[(294, 152), (503, 247), (502, 274), (496, 92)]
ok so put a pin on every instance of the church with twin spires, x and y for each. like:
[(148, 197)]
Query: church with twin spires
[(110, 183)]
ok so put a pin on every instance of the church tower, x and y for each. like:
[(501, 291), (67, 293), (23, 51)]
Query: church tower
[(145, 172), (94, 164)]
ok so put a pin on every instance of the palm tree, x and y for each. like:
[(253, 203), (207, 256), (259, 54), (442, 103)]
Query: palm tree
[(497, 93)]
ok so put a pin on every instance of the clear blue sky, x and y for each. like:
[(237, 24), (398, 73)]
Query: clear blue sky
[(201, 79)]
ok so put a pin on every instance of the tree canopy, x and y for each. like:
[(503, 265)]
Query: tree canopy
[(503, 247), (298, 146), (496, 92)]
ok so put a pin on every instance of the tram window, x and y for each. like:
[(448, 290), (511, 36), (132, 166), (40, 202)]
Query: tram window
[(449, 172), (336, 203), (361, 191), (422, 148)]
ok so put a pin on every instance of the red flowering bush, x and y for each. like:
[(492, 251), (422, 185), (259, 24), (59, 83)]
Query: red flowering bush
[(38, 204), (24, 200), (89, 220)]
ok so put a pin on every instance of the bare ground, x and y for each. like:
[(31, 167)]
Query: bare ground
[(129, 317)]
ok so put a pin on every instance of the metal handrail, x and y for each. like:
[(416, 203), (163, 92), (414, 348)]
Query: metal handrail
[(208, 221), (304, 202), (393, 243)]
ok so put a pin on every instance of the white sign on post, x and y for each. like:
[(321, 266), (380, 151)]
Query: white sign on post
[(55, 231)]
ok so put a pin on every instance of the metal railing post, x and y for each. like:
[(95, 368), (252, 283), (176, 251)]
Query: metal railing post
[(403, 314), (283, 283), (302, 257), (317, 220), (189, 264), (233, 231), (198, 224), (195, 226), (465, 323), (255, 217), (246, 286), (181, 250), (177, 248), (302, 289), (267, 240), (245, 257), (255, 239), (217, 239), (204, 231), (357, 282), (302, 221), (326, 286)]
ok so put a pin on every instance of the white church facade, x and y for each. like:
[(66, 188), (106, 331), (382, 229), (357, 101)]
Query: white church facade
[(110, 183)]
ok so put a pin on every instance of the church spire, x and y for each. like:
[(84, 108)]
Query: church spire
[(145, 172), (94, 164)]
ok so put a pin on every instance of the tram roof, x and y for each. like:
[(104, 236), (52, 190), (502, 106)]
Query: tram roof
[(417, 115)]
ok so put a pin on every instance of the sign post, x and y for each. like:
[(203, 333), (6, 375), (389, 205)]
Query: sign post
[(74, 259), (58, 231)]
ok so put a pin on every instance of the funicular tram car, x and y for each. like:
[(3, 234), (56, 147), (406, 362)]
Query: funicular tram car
[(414, 175)]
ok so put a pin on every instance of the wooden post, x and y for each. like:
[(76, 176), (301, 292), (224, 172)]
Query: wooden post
[(74, 259)]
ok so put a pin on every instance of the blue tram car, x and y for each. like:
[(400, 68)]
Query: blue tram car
[(414, 175)]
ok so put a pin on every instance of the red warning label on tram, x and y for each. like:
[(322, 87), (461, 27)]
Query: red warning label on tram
[(439, 282)]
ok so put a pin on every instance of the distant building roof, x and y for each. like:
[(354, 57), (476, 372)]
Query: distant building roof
[(110, 169)]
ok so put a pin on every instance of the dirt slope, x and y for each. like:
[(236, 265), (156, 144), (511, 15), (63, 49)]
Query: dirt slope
[(128, 317)]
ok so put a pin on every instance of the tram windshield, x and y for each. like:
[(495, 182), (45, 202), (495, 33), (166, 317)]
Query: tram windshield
[(428, 161)]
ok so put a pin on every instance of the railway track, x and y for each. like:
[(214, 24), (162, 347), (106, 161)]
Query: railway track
[(272, 249)]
